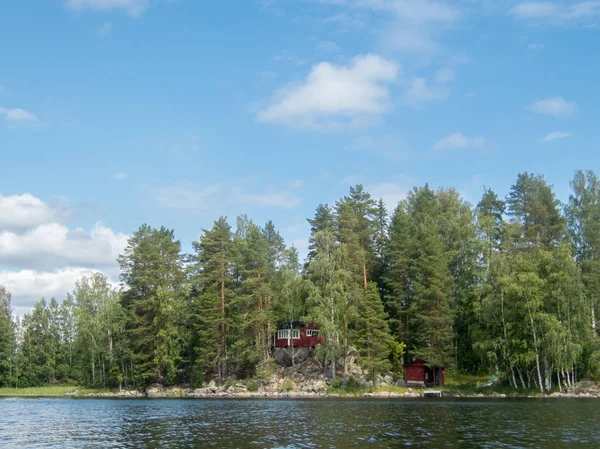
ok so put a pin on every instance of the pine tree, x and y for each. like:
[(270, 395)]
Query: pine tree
[(532, 204), (373, 334), (152, 271), (355, 219), (251, 340), (213, 287)]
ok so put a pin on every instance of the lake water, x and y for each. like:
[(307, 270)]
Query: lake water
[(319, 423)]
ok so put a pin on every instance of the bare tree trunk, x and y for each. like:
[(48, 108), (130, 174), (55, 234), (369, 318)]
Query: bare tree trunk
[(345, 348), (537, 355)]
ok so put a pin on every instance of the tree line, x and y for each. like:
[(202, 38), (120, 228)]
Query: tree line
[(510, 286)]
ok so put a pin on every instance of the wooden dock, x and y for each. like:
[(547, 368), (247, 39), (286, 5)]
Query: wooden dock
[(432, 394)]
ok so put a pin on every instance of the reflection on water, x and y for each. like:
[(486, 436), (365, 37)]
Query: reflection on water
[(319, 423)]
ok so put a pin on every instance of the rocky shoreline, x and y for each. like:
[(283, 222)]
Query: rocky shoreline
[(319, 389), (299, 375)]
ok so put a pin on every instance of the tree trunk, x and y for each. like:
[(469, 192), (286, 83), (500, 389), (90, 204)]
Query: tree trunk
[(537, 355), (345, 347)]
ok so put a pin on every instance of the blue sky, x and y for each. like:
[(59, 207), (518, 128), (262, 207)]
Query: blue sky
[(173, 112)]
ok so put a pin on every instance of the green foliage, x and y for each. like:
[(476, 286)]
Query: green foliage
[(286, 386), (396, 357), (252, 386), (230, 382), (509, 287), (152, 271), (373, 335)]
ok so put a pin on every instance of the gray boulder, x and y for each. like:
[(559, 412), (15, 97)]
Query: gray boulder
[(283, 356)]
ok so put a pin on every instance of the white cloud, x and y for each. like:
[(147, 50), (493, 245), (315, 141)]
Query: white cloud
[(444, 76), (457, 141), (391, 192), (418, 11), (554, 136), (17, 115), (53, 245), (333, 95), (419, 92), (41, 256), (132, 7), (555, 12), (556, 106), (412, 25), (535, 47), (29, 286), (121, 175), (104, 30), (27, 211)]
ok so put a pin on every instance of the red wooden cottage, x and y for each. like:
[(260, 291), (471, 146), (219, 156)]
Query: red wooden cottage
[(418, 374), (297, 334)]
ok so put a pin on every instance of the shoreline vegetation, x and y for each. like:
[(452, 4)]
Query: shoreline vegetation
[(286, 388), (508, 288)]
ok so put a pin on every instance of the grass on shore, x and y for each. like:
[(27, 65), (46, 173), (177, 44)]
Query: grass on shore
[(47, 391), (464, 384)]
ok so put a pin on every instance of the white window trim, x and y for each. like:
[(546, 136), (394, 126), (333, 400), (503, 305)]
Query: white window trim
[(284, 334), (312, 332)]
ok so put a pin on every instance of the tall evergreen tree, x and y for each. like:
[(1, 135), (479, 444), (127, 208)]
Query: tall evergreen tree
[(397, 303), (324, 220), (212, 282), (153, 275), (532, 204), (373, 334), (430, 315)]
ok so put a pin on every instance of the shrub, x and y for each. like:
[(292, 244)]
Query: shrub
[(286, 386), (252, 386)]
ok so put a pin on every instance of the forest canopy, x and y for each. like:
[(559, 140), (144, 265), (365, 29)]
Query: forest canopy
[(509, 286)]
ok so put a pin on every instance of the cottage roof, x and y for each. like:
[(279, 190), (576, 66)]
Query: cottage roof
[(290, 325)]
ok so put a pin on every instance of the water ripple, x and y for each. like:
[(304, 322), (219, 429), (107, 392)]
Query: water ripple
[(297, 424)]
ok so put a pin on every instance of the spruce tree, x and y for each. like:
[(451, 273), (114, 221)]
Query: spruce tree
[(430, 314), (373, 334)]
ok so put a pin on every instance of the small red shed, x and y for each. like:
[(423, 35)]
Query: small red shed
[(418, 374), (297, 334)]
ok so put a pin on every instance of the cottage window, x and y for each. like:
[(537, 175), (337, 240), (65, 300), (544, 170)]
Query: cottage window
[(311, 332), (283, 334)]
